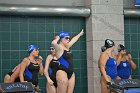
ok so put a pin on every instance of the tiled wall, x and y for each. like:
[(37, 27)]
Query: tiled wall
[(132, 42), (17, 32)]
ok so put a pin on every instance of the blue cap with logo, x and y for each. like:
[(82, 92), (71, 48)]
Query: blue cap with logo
[(63, 34), (31, 48)]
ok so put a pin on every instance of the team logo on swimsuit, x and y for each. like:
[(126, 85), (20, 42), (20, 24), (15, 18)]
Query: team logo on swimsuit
[(124, 64), (35, 65), (56, 61), (115, 62), (68, 51)]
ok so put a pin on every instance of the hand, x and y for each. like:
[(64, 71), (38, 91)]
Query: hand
[(110, 83), (129, 56), (40, 59), (114, 86), (81, 33), (57, 37), (50, 82)]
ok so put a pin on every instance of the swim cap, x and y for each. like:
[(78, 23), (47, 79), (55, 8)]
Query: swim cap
[(109, 43), (31, 48), (121, 47), (63, 34), (51, 46)]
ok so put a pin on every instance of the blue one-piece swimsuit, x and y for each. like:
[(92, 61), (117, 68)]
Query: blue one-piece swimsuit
[(124, 70), (111, 68)]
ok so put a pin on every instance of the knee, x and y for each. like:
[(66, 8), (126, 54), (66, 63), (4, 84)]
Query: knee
[(7, 79), (63, 82)]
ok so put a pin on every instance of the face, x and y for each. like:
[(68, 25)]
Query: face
[(52, 50), (66, 39), (123, 51), (35, 52)]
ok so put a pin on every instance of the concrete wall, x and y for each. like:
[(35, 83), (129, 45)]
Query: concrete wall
[(106, 21), (129, 3)]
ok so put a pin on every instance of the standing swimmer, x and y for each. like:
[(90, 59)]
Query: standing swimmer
[(107, 65), (65, 75), (51, 66), (125, 63)]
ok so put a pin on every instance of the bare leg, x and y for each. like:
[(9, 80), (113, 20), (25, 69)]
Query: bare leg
[(62, 81), (50, 89), (15, 74), (103, 85), (7, 78), (71, 84)]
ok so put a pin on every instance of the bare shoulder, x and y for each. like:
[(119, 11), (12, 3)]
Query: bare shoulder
[(49, 56), (102, 60), (25, 60), (103, 55)]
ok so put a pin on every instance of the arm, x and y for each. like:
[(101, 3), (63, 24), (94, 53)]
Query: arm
[(48, 60), (58, 49), (102, 62), (131, 62), (39, 60), (41, 69), (24, 63), (74, 39), (119, 58)]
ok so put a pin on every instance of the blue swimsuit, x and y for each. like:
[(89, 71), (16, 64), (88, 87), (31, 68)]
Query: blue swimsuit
[(66, 63), (124, 70), (31, 73), (111, 68)]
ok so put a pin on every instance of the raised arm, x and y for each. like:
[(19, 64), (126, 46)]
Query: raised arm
[(74, 39), (131, 62), (24, 64), (102, 63), (58, 49)]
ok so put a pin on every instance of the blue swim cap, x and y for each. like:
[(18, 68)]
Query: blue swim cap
[(31, 48), (63, 34), (51, 46)]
